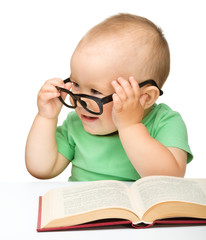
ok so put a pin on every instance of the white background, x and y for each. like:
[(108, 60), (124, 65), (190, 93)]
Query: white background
[(37, 39)]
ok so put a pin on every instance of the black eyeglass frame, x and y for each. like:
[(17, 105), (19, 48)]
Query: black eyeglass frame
[(100, 101)]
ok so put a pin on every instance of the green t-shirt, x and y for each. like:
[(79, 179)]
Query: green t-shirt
[(103, 157)]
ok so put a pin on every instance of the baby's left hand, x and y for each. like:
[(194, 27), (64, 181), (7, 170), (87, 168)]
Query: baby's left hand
[(128, 103)]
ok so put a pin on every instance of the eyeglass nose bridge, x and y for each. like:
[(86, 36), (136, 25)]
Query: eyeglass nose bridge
[(85, 105), (77, 99)]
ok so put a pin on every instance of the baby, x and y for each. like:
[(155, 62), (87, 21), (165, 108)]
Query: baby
[(117, 131)]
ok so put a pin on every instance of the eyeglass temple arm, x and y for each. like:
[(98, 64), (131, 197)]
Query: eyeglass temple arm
[(67, 80), (150, 81)]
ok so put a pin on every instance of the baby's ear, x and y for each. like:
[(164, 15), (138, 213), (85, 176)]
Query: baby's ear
[(152, 96)]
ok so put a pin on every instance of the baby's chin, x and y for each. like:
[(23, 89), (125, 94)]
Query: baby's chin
[(100, 132), (95, 125)]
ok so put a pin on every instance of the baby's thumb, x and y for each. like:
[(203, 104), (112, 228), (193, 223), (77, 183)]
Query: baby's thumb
[(68, 87)]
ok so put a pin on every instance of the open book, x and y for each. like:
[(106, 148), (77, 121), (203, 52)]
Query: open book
[(144, 201)]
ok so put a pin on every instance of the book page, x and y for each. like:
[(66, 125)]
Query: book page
[(87, 197), (152, 190)]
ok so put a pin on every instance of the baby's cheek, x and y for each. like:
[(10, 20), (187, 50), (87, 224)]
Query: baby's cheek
[(107, 117), (107, 111)]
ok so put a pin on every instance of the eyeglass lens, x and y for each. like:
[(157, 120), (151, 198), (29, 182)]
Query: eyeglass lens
[(87, 103)]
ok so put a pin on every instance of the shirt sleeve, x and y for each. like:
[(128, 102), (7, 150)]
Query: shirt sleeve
[(172, 132), (65, 143)]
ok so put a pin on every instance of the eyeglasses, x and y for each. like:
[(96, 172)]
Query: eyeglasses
[(90, 103)]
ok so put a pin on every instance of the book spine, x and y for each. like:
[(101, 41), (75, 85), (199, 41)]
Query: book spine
[(186, 221), (39, 214)]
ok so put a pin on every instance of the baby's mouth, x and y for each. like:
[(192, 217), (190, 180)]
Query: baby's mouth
[(88, 118)]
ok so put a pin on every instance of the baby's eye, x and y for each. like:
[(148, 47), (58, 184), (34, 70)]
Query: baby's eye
[(93, 91), (75, 85)]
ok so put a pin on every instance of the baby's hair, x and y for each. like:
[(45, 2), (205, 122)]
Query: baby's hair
[(156, 64)]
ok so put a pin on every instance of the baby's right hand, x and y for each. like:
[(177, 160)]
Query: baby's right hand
[(49, 105)]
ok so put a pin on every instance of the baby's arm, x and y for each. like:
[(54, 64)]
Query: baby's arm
[(42, 157), (148, 156)]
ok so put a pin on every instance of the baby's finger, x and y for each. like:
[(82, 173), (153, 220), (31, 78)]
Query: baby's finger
[(44, 97), (57, 82), (117, 103), (67, 86), (125, 84), (49, 88), (135, 86), (119, 90)]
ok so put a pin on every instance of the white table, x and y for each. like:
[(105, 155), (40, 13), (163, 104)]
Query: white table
[(19, 209)]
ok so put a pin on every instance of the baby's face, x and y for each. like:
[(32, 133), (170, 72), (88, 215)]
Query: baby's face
[(93, 68)]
